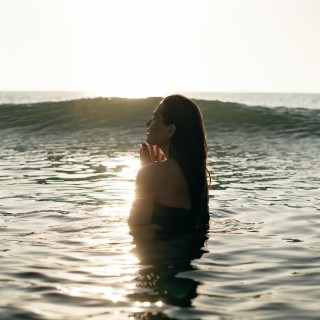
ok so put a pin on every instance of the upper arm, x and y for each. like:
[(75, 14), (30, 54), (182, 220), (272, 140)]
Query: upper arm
[(142, 206)]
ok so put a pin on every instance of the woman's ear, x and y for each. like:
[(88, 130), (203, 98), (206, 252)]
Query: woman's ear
[(172, 130)]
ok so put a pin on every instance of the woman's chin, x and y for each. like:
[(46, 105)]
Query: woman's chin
[(149, 140)]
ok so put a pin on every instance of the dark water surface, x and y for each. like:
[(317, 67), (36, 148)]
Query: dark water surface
[(67, 173)]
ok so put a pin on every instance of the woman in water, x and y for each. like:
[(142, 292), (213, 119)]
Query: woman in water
[(171, 186)]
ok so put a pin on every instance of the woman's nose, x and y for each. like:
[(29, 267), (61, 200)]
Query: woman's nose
[(148, 122)]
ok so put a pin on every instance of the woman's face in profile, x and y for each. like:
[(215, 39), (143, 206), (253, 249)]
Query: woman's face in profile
[(156, 130)]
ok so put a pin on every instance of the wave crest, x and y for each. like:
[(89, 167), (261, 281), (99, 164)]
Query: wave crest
[(120, 112)]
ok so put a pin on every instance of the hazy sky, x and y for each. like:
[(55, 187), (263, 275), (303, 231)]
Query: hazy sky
[(145, 47)]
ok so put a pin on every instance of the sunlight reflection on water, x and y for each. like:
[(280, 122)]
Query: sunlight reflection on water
[(67, 251)]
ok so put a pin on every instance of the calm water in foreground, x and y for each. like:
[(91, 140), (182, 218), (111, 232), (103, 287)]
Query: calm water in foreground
[(67, 172)]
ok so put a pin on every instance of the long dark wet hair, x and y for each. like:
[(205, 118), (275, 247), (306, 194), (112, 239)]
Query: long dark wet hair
[(189, 148)]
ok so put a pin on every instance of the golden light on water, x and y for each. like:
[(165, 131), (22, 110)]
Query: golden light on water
[(69, 291), (110, 294), (122, 270), (126, 165), (139, 306), (107, 293), (122, 185)]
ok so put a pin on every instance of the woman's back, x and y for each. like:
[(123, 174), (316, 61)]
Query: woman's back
[(171, 188), (160, 188)]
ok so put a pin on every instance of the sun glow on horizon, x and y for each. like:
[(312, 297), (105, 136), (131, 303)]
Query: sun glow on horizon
[(146, 48), (134, 54)]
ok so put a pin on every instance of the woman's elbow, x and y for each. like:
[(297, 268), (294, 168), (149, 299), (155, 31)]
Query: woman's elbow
[(134, 222), (138, 219)]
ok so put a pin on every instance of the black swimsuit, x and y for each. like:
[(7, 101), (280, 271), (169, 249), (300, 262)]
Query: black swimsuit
[(171, 217)]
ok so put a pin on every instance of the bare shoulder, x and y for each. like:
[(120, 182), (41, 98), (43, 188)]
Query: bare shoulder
[(168, 172), (158, 172), (170, 166), (160, 181), (148, 176), (148, 172)]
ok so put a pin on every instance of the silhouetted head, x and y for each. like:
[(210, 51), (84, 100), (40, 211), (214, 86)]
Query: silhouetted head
[(189, 136)]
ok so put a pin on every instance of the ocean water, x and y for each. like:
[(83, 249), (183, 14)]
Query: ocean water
[(67, 171)]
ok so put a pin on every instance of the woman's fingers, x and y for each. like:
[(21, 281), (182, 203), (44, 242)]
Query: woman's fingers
[(153, 156), (150, 154), (158, 153), (145, 149), (145, 157)]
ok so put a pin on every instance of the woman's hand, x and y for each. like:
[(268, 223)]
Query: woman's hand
[(150, 154)]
